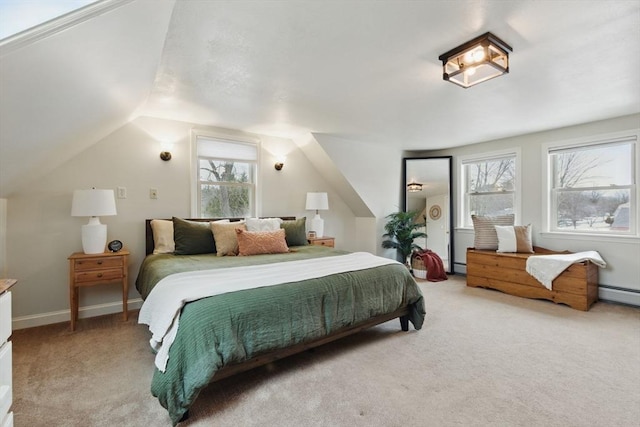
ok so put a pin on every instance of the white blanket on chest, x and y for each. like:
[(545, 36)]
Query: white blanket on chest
[(545, 268), (161, 309)]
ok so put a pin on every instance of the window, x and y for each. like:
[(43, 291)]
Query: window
[(489, 186), (593, 188), (225, 171), (21, 15)]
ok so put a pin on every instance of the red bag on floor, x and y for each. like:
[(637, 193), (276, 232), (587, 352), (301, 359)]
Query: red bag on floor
[(434, 265)]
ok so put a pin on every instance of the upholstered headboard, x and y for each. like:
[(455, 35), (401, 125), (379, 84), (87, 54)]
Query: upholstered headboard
[(148, 234)]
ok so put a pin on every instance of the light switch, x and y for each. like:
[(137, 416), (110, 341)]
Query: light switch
[(153, 193)]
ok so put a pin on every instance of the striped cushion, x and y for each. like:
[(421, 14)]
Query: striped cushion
[(485, 231)]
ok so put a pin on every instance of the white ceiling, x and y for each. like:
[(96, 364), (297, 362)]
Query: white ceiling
[(366, 71), (369, 70)]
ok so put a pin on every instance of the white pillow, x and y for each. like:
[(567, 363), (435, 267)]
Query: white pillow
[(163, 242), (514, 238), (263, 224)]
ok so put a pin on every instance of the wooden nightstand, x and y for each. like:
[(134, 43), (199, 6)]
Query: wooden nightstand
[(323, 241), (96, 269)]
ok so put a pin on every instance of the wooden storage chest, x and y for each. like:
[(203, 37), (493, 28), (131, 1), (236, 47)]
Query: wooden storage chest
[(576, 287)]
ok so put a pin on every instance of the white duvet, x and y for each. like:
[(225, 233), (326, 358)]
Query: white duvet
[(161, 309)]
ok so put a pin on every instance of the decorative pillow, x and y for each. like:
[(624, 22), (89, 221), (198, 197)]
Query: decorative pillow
[(261, 242), (485, 231), (162, 236), (295, 231), (192, 237), (263, 224), (224, 234), (514, 238)]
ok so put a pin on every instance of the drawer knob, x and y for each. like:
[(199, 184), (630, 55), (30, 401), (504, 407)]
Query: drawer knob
[(100, 262), (99, 274)]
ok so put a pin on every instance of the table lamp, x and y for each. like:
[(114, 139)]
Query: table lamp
[(317, 201), (93, 203)]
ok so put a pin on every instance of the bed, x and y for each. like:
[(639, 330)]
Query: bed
[(231, 332)]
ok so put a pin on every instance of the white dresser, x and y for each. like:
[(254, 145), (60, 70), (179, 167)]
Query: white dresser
[(6, 391)]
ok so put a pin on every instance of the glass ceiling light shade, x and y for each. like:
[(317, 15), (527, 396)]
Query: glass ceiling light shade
[(317, 201), (93, 203), (476, 61), (414, 187)]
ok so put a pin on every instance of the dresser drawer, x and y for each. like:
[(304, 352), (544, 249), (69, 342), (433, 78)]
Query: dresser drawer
[(6, 380), (8, 420), (99, 275), (5, 316), (97, 263)]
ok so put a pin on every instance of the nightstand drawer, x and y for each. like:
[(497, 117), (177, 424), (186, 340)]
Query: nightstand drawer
[(98, 275), (97, 263), (323, 241)]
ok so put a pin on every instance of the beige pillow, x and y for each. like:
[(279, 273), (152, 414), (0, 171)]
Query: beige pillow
[(163, 242), (484, 228), (261, 242), (514, 238), (224, 234)]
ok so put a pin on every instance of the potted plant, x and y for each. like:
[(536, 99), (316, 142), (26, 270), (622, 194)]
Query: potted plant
[(401, 230)]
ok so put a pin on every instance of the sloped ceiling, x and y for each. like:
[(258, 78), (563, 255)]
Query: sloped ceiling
[(359, 70), (64, 92)]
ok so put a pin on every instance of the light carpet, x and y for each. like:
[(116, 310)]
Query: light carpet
[(483, 358)]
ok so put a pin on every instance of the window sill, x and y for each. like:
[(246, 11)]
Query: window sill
[(590, 236)]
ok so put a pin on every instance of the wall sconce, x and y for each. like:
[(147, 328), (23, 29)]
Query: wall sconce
[(279, 163), (476, 61), (165, 154), (414, 187)]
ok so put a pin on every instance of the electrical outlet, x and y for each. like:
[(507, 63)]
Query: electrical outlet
[(122, 192), (153, 193)]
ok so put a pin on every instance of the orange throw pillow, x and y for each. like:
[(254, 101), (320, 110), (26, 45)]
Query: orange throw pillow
[(261, 242)]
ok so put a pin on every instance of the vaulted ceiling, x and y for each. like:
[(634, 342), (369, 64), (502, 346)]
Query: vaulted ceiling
[(366, 71)]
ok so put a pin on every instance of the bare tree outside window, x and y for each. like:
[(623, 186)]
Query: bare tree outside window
[(589, 184), (226, 171), (490, 187)]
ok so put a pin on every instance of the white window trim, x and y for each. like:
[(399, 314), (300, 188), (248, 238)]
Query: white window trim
[(195, 179), (470, 158), (547, 179)]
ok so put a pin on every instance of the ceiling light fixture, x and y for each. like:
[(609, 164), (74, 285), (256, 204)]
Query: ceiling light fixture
[(414, 187), (476, 61)]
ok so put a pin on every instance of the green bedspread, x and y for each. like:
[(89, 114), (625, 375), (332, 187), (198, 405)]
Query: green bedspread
[(230, 328)]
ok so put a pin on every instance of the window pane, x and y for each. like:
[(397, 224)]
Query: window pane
[(593, 210), (491, 175), (224, 171), (221, 201), (596, 166), (491, 204)]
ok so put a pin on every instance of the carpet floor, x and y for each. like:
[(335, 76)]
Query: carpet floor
[(483, 358)]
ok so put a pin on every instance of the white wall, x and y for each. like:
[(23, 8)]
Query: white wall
[(621, 254), (42, 234)]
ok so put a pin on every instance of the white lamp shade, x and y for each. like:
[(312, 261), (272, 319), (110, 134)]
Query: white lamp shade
[(93, 203), (317, 201)]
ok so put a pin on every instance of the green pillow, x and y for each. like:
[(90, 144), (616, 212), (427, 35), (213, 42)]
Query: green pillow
[(295, 231), (192, 237)]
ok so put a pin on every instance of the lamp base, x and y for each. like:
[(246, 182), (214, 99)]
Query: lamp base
[(94, 236), (317, 225)]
